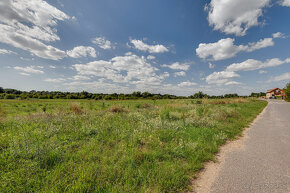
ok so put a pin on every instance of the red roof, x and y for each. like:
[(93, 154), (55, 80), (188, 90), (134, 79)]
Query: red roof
[(273, 89)]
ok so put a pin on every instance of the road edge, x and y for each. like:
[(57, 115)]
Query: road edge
[(206, 177)]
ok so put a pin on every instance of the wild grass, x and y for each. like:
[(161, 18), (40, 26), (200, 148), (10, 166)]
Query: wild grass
[(116, 146)]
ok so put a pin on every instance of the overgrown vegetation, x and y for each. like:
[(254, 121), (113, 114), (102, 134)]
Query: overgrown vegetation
[(114, 146)]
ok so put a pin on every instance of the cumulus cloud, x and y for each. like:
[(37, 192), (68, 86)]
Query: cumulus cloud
[(282, 77), (103, 43), (178, 66), (150, 57), (139, 45), (29, 70), (285, 3), (181, 73), (251, 64), (26, 24), (130, 69), (186, 84), (222, 77), (225, 77), (235, 17), (82, 51), (225, 48), (278, 35), (4, 51)]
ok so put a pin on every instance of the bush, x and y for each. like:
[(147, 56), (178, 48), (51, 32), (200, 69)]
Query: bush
[(10, 96)]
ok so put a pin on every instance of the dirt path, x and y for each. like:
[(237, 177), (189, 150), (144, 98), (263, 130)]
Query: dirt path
[(257, 162)]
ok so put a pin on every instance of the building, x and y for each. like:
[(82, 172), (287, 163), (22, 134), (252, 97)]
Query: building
[(275, 93)]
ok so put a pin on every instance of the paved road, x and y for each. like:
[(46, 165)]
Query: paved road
[(263, 164)]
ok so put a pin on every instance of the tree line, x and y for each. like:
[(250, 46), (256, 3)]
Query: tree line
[(17, 94)]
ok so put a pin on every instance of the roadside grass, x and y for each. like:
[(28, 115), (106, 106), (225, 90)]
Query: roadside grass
[(114, 146)]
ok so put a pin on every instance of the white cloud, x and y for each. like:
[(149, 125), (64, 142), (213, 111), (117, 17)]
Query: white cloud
[(82, 51), (262, 72), (235, 17), (181, 73), (278, 35), (285, 3), (150, 57), (26, 23), (285, 76), (251, 64), (130, 69), (211, 66), (51, 66), (232, 83), (103, 43), (225, 48), (139, 45), (4, 51), (54, 80), (178, 66), (79, 77), (225, 77), (187, 84), (29, 70), (222, 77), (24, 74)]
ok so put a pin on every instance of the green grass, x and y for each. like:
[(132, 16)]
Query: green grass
[(116, 146)]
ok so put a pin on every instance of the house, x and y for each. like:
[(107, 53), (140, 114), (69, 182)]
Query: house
[(274, 93)]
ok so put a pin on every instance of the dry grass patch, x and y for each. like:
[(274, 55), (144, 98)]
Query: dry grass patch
[(117, 110), (76, 108)]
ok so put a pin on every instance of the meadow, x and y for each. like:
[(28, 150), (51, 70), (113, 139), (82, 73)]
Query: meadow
[(114, 146)]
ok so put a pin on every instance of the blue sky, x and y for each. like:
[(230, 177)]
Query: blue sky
[(160, 46)]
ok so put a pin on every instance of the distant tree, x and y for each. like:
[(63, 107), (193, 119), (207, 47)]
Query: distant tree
[(199, 95)]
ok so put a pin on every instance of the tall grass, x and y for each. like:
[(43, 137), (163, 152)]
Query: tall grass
[(121, 146)]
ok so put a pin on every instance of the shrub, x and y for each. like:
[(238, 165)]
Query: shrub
[(10, 96)]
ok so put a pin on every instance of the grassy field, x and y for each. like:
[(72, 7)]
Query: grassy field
[(114, 146)]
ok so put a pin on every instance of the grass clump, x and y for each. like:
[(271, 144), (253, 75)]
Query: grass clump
[(116, 147), (117, 109), (75, 108)]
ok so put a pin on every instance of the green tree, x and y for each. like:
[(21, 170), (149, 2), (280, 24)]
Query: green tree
[(287, 92)]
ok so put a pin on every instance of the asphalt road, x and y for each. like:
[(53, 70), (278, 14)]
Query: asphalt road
[(263, 164)]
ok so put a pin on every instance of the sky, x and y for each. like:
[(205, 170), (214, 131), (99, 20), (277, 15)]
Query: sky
[(160, 46)]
